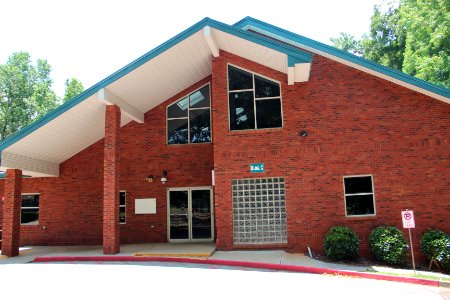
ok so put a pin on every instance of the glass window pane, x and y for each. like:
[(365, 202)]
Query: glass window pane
[(239, 79), (200, 126), (201, 214), (122, 198), (179, 109), (200, 98), (177, 131), (359, 205), (266, 88), (241, 111), (178, 202), (122, 218), (268, 113), (30, 200), (357, 185), (29, 216)]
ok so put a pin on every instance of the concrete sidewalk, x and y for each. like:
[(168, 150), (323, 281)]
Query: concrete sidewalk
[(206, 251)]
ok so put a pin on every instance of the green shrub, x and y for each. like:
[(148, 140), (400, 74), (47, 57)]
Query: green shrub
[(341, 243), (435, 244), (389, 245)]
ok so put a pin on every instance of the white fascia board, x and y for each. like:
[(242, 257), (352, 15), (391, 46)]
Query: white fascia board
[(213, 46), (29, 165), (109, 98)]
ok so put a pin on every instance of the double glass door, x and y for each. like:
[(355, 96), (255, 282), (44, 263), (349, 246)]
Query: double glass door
[(190, 215)]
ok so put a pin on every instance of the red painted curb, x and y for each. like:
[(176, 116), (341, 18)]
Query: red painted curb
[(235, 263)]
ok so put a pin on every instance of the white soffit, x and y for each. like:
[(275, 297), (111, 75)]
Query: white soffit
[(167, 74), (66, 135), (252, 51)]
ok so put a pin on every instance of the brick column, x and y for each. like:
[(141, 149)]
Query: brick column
[(11, 213), (111, 243)]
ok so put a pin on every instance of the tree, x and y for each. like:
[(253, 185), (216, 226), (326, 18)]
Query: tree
[(412, 36), (25, 92), (347, 42), (73, 88), (427, 48), (386, 40)]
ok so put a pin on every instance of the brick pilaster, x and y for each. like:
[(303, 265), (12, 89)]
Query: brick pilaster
[(111, 162), (11, 213)]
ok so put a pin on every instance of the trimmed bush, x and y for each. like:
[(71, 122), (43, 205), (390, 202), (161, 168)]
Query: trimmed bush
[(389, 245), (341, 243), (435, 244)]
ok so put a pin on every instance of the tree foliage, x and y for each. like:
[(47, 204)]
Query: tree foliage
[(25, 92), (347, 42), (412, 36), (427, 46), (73, 88)]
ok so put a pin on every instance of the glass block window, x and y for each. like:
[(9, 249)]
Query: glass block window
[(122, 207), (359, 196), (254, 101), (189, 119), (29, 212), (259, 211)]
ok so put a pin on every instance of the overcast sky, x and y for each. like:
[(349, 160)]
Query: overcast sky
[(91, 39)]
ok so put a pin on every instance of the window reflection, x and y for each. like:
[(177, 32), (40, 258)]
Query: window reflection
[(248, 91), (189, 119)]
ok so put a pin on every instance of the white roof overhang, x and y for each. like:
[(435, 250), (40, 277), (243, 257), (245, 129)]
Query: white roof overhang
[(40, 148)]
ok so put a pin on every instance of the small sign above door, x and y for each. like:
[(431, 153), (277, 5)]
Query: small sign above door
[(257, 168)]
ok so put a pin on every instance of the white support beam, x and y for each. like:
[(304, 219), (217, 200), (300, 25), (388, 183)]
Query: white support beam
[(298, 73), (28, 165), (291, 75), (213, 46), (109, 98)]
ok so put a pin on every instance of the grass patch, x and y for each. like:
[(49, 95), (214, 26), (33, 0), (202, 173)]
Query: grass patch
[(417, 275)]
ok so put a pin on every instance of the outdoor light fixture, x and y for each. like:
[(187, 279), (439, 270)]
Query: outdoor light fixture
[(303, 133), (150, 178), (164, 177)]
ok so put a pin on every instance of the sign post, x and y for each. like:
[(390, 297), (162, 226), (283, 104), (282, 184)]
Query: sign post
[(408, 222)]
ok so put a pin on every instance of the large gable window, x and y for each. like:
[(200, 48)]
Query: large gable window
[(189, 119), (254, 101)]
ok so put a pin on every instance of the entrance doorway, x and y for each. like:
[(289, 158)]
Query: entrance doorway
[(190, 214)]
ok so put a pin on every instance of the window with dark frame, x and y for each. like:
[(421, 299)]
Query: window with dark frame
[(359, 196), (189, 119), (122, 207), (254, 101), (29, 211)]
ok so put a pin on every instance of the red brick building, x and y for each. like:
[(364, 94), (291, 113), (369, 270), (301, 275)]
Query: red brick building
[(247, 135)]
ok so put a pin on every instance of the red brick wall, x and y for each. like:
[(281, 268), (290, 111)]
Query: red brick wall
[(357, 124)]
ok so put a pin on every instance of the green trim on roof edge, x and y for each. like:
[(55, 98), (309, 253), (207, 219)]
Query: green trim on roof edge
[(297, 54), (249, 21)]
